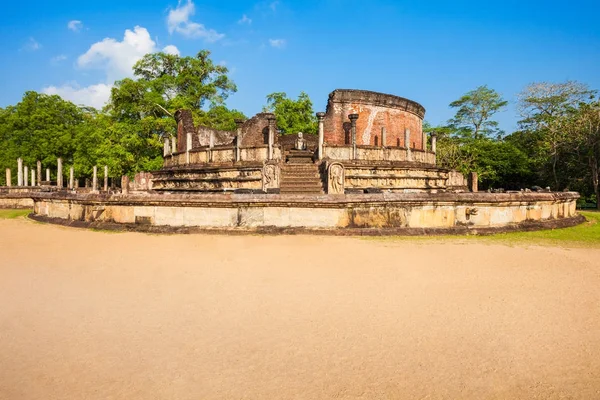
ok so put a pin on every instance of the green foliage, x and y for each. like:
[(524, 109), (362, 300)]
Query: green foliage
[(293, 116), (127, 135), (475, 110)]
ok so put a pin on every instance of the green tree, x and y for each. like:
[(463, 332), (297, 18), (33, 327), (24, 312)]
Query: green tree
[(293, 116), (544, 108), (39, 127), (474, 112)]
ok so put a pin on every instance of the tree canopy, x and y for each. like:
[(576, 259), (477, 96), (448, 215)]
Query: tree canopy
[(293, 116)]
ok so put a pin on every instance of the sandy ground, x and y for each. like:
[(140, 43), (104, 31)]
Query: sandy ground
[(94, 315)]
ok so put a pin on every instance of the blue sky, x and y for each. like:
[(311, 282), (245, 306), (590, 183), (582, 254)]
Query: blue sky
[(428, 51)]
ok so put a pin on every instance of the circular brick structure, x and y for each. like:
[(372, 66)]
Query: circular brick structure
[(376, 111)]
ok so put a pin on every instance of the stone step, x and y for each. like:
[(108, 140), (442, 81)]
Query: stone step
[(311, 175), (298, 178), (301, 190)]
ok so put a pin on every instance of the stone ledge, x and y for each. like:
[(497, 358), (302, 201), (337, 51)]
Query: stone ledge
[(456, 230)]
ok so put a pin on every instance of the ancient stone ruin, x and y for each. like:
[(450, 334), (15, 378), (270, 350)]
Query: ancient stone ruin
[(370, 169)]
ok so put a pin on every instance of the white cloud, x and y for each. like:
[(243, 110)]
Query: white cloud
[(75, 25), (277, 43), (32, 45), (57, 59), (93, 95), (170, 49), (178, 21), (115, 58), (245, 20)]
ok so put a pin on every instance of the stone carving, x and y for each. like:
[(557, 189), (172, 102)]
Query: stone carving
[(270, 177), (300, 142), (335, 179)]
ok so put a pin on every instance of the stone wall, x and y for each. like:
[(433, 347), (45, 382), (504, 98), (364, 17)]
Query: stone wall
[(255, 131), (394, 178), (229, 211), (220, 138), (376, 111), (209, 179), (372, 153)]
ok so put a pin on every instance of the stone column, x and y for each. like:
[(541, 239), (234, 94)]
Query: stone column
[(173, 144), (25, 175), (39, 173), (8, 178), (433, 142), (211, 144), (95, 180), (125, 184), (19, 172), (353, 118), (238, 138), (167, 147), (106, 178), (271, 119), (424, 141), (48, 175), (71, 178), (321, 117), (59, 174), (32, 177), (188, 146), (473, 186), (407, 144)]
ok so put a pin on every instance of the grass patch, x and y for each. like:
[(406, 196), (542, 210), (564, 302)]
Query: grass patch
[(583, 235), (586, 234), (12, 214)]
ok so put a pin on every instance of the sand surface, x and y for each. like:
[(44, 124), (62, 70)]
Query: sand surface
[(94, 315)]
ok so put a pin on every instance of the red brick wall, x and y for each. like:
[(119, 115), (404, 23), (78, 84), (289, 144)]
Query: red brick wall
[(375, 110), (255, 131)]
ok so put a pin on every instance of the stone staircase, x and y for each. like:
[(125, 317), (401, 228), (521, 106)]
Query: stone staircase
[(300, 178)]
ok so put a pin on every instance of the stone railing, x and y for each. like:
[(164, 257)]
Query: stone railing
[(221, 155), (374, 153)]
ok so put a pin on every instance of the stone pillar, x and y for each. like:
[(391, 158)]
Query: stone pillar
[(271, 139), (173, 144), (211, 144), (95, 180), (59, 174), (8, 178), (321, 117), (106, 178), (25, 175), (19, 172), (473, 182), (167, 147), (32, 177), (433, 142), (383, 136), (188, 146), (353, 118), (424, 141), (125, 184), (238, 138), (407, 144), (39, 173), (48, 175), (71, 178)]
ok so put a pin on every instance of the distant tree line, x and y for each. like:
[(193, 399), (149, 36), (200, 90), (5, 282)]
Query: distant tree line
[(557, 143)]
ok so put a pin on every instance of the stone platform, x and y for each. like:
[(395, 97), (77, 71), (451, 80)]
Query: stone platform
[(382, 212)]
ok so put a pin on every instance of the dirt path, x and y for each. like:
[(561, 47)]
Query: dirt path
[(92, 315)]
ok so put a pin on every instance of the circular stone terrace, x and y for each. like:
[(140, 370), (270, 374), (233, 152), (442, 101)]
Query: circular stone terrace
[(370, 170)]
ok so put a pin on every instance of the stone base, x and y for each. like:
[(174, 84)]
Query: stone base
[(388, 212)]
